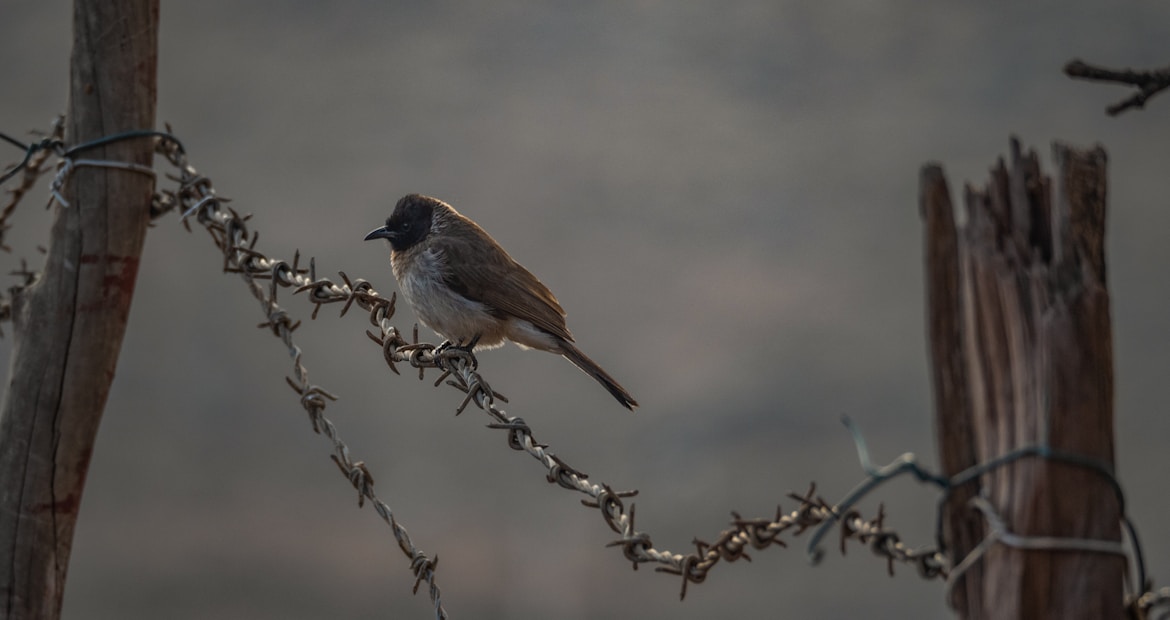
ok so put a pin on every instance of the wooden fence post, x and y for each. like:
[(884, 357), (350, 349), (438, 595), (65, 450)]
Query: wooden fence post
[(69, 324), (1021, 349)]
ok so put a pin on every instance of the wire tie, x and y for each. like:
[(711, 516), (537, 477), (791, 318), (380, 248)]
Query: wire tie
[(69, 164)]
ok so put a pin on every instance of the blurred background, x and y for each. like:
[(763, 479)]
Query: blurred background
[(723, 196)]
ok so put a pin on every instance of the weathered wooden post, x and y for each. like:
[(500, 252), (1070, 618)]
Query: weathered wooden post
[(69, 324), (1021, 349)]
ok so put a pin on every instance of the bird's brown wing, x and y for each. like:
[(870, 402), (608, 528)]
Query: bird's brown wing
[(477, 267)]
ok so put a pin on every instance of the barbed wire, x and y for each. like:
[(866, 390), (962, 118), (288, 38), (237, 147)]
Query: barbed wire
[(197, 197)]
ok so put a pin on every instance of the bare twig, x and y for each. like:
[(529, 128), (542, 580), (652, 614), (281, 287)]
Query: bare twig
[(1148, 83)]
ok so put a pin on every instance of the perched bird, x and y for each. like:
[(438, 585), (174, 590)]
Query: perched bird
[(463, 285)]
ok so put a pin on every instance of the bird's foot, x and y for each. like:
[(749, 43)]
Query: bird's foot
[(470, 346), (448, 350)]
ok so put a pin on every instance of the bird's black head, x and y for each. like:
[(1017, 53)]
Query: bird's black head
[(409, 224)]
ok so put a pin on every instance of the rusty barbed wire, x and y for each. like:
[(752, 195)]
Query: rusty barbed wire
[(197, 197)]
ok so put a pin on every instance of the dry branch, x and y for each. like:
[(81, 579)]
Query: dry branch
[(1148, 82)]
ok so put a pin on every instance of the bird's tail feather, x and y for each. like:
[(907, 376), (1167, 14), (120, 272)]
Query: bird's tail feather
[(590, 367)]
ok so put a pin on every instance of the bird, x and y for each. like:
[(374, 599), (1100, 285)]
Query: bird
[(463, 285)]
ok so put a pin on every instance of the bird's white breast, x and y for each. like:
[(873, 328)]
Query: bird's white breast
[(451, 315)]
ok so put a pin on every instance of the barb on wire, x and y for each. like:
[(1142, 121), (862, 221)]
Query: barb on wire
[(812, 511), (228, 229), (1148, 83)]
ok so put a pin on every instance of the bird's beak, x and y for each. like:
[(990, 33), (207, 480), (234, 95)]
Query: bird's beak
[(379, 233)]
